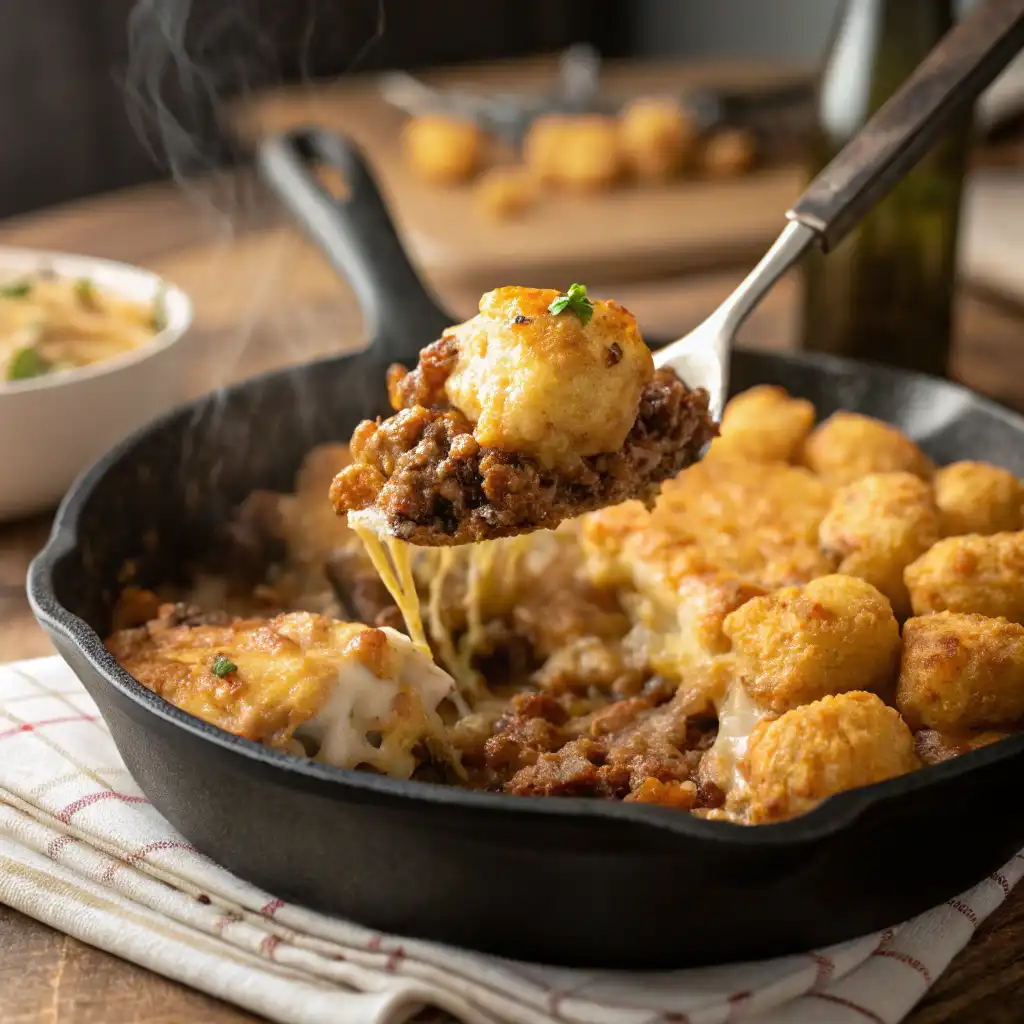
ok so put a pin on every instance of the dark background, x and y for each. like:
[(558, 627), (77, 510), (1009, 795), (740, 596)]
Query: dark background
[(75, 94), (69, 93)]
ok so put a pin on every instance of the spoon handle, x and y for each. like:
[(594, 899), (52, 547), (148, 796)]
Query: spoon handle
[(946, 82)]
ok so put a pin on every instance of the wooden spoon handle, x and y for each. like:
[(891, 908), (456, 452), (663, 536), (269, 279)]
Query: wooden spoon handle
[(946, 82)]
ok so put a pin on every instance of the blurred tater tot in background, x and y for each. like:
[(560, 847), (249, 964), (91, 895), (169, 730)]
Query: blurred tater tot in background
[(592, 160), (876, 526), (581, 154), (657, 138), (976, 497), (728, 153), (544, 140), (848, 446), (764, 424), (506, 193), (443, 150)]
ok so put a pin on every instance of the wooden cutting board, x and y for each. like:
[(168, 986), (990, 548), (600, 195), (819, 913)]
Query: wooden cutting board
[(626, 234)]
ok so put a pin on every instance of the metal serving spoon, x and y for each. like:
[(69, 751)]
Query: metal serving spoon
[(885, 149)]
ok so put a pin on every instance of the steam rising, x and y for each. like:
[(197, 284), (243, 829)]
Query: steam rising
[(188, 57), (188, 60)]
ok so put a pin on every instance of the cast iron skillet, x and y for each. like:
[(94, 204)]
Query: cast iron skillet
[(575, 882)]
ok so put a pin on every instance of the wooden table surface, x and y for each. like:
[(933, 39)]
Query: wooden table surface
[(265, 299)]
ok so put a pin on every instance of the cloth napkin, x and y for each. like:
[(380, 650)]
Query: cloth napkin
[(83, 850)]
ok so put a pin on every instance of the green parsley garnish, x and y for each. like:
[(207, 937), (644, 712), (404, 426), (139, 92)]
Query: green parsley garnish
[(575, 300), (85, 291), (223, 666), (16, 290), (27, 363), (159, 319)]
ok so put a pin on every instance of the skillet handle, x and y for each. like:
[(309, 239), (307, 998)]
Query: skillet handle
[(357, 235)]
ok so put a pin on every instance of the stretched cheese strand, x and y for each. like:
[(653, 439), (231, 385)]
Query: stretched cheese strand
[(492, 569), (398, 580), (460, 668), (442, 563), (391, 558), (480, 571)]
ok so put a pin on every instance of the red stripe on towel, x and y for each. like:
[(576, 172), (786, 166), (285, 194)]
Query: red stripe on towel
[(66, 814), (143, 851), (54, 846), (908, 961), (33, 726), (849, 1004), (962, 908), (825, 966)]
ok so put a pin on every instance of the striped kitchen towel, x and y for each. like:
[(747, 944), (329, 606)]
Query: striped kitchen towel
[(82, 850)]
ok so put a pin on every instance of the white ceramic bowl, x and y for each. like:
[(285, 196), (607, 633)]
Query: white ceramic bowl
[(53, 427)]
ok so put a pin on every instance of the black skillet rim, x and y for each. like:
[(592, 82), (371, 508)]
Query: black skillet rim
[(827, 819)]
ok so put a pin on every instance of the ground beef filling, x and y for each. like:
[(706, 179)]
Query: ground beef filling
[(435, 485), (641, 748)]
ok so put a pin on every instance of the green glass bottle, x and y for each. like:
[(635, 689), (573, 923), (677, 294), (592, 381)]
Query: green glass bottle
[(885, 293)]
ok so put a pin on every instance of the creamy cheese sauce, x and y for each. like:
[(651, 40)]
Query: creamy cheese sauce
[(402, 710), (738, 714)]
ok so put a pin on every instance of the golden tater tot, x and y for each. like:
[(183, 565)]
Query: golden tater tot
[(821, 749), (798, 644), (961, 672), (657, 137), (877, 526), (442, 150), (591, 160), (975, 497), (764, 424), (848, 446), (505, 193), (542, 146), (729, 153), (977, 574), (579, 153), (536, 383)]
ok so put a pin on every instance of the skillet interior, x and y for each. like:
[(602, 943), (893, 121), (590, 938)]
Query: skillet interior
[(573, 882)]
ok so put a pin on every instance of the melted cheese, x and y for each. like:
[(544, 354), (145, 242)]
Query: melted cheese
[(390, 557), (456, 660), (341, 692), (479, 570), (400, 709), (443, 564), (492, 575), (738, 714)]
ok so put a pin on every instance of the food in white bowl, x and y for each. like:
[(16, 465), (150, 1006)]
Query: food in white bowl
[(89, 351)]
